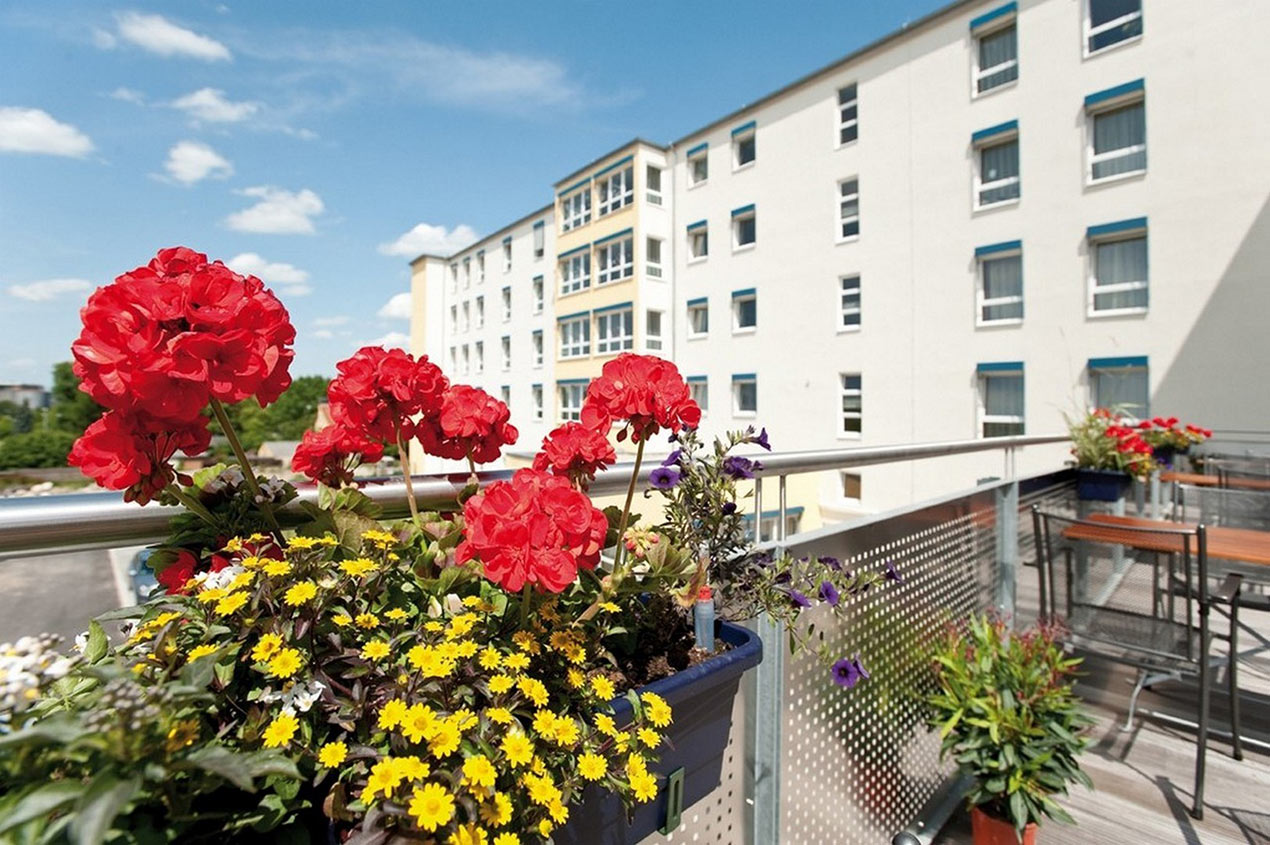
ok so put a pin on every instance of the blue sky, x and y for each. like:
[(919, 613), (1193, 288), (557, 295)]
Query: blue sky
[(323, 150)]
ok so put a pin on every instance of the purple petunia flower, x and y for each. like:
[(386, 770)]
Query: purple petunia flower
[(739, 467), (799, 599), (831, 562), (891, 573), (729, 508), (829, 593), (761, 440), (672, 458), (663, 478), (848, 671)]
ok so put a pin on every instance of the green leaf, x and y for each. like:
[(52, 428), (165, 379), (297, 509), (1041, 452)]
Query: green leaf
[(220, 761), (1018, 810), (60, 730), (98, 643), (105, 797), (41, 802)]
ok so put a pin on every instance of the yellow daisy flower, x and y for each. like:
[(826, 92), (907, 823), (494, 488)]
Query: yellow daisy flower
[(645, 786), (431, 806), (490, 658), (392, 714), (367, 620), (478, 771), (201, 651), (656, 709), (500, 684), (300, 593), (649, 737), (508, 839), (277, 568), (396, 614), (518, 748), (603, 687), (332, 754), (266, 647), (500, 715), (280, 730), (285, 663), (375, 650), (343, 620), (232, 603), (592, 766)]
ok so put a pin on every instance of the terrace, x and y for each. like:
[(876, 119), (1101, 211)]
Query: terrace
[(808, 763)]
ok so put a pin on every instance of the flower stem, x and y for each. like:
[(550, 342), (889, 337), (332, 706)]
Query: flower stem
[(618, 556), (249, 475), (192, 504), (526, 597), (405, 474)]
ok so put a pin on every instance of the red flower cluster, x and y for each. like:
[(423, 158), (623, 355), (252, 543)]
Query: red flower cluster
[(576, 452), (470, 422), (379, 390), (330, 455), (1128, 440), (644, 390), (533, 529), (157, 345)]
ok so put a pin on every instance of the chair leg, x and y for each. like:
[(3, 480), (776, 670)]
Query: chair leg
[(1232, 681), (1133, 699), (1201, 742)]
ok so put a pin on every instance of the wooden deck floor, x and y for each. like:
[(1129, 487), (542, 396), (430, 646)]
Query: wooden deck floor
[(1144, 778)]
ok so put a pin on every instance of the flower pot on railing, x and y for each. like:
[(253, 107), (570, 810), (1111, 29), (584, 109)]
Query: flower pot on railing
[(1101, 485), (987, 829), (701, 698)]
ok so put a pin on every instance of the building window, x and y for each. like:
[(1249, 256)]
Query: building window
[(652, 331), (507, 352), (507, 255), (698, 241), (575, 272), (454, 277), (996, 55), (540, 238), (770, 522), (537, 290), (1000, 291), (535, 394), (744, 310), (537, 340), (652, 258), (614, 331), (571, 398), (744, 227), (615, 261), (454, 359), (575, 209), (1120, 384), (505, 392), (454, 319), (849, 319), (507, 304), (467, 272), (467, 317), (616, 190), (1000, 400), (480, 356), (1111, 22), (698, 165), (744, 147), (575, 337), (652, 179), (848, 209), (698, 317), (480, 312), (480, 268), (699, 389), (848, 116), (744, 395), (852, 405), (852, 486), (997, 179), (467, 358), (1118, 259), (1117, 140)]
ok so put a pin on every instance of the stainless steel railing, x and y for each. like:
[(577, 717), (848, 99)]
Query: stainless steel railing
[(103, 520)]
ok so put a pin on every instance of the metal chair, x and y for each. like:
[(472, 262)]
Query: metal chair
[(1141, 597)]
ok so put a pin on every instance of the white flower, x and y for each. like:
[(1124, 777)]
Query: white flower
[(81, 642), (453, 604), (221, 579)]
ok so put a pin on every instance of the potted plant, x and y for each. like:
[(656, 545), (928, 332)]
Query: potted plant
[(1167, 440), (1109, 451), (483, 671), (1006, 712)]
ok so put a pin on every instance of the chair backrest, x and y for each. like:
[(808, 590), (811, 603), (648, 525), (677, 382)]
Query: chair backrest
[(1233, 507), (1125, 589)]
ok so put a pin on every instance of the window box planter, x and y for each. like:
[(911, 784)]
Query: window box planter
[(701, 697), (1100, 485)]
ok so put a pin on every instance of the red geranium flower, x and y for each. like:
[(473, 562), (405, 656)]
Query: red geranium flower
[(331, 455), (131, 452), (177, 574), (471, 423), (644, 390), (576, 452), (534, 529), (379, 390)]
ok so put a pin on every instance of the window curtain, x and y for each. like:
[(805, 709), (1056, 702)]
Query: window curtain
[(1003, 277), (1118, 130), (1120, 262), (996, 49), (1122, 389), (1003, 395)]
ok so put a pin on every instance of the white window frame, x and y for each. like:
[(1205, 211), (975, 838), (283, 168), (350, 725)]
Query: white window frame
[(737, 328), (654, 341), (575, 337), (467, 272), (454, 277), (981, 186), (466, 322), (699, 390), (978, 73), (539, 285), (615, 191), (844, 415), (842, 218), (467, 359), (653, 196), (1090, 31), (848, 123), (750, 134), (454, 319), (568, 393), (1092, 158), (480, 312), (540, 240), (704, 233), (984, 418), (480, 268), (845, 288), (615, 261), (454, 359), (505, 393), (1131, 414), (479, 357), (507, 303), (537, 347), (751, 215), (536, 397), (615, 331), (575, 273), (693, 334), (704, 158), (507, 256), (652, 268), (1119, 287), (575, 209), (737, 411), (983, 302), (506, 346)]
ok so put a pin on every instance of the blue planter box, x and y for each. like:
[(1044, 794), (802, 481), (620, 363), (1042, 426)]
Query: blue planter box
[(1101, 485), (701, 698)]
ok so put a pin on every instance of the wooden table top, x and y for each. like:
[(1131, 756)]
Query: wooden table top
[(1200, 480), (1243, 544)]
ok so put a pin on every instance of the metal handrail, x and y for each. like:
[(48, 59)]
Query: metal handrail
[(82, 521)]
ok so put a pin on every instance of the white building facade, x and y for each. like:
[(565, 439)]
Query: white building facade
[(999, 214)]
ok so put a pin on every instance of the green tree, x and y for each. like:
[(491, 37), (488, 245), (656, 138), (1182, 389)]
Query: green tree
[(287, 419), (35, 449), (21, 417), (72, 409)]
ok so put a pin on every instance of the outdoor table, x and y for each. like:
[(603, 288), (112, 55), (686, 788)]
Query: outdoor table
[(1243, 544), (1200, 480)]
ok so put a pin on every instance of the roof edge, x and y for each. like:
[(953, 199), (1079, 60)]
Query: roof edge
[(548, 207), (631, 143)]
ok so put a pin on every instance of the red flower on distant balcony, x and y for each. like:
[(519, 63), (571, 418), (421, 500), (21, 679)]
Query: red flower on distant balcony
[(470, 423), (131, 452), (378, 391), (576, 452), (534, 529), (646, 391), (331, 455)]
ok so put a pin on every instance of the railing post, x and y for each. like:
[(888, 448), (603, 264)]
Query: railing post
[(1007, 527), (765, 723)]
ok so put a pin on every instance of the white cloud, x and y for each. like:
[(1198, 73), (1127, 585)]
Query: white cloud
[(43, 291), (390, 340), (211, 106), (191, 161), (279, 212), (296, 290), (104, 39), (159, 35), (323, 334), (434, 240), (397, 308), (337, 320), (128, 95), (36, 131), (273, 272)]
